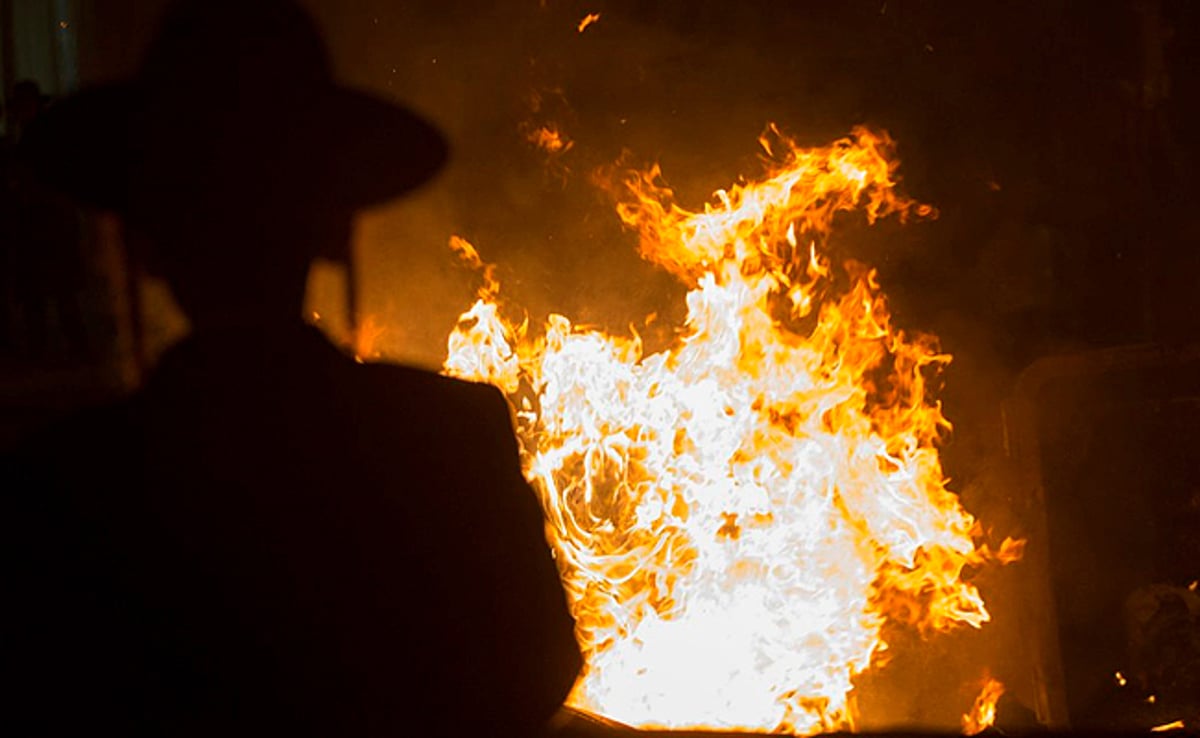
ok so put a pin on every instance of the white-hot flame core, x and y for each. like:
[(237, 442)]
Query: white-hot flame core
[(736, 517)]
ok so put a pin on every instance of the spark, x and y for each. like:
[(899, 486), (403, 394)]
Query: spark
[(1177, 725)]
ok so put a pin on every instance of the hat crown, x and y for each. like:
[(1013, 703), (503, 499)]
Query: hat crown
[(209, 46), (235, 101)]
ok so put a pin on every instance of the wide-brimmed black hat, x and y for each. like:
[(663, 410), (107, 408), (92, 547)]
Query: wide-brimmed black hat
[(233, 93)]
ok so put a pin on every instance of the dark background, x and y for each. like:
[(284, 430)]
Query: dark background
[(1053, 137)]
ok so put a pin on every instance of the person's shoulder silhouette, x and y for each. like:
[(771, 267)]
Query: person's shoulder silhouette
[(268, 538)]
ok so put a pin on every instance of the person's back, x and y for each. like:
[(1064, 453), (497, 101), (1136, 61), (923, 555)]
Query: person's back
[(268, 538)]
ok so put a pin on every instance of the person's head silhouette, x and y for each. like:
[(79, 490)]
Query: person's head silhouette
[(234, 157)]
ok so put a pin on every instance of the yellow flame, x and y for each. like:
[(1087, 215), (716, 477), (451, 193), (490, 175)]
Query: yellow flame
[(983, 712), (737, 516)]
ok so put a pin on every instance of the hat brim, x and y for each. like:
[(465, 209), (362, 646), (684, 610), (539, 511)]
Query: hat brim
[(88, 145)]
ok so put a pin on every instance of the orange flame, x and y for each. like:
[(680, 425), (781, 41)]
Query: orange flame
[(983, 712), (366, 339), (548, 138), (736, 517)]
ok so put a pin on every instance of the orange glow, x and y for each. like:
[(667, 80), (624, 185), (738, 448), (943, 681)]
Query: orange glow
[(737, 516), (548, 138), (588, 20), (983, 712), (366, 338)]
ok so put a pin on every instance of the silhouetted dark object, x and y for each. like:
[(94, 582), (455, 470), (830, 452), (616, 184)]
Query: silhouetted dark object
[(49, 275), (268, 538), (40, 248), (25, 106), (47, 267), (8, 211)]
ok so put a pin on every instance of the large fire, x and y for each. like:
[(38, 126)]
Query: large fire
[(736, 517)]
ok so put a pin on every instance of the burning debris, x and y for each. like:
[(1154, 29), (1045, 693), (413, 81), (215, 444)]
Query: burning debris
[(738, 516)]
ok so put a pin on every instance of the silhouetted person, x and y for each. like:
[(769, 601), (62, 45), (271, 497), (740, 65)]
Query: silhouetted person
[(267, 538)]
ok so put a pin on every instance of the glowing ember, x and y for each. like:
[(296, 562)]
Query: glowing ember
[(1176, 725), (983, 712), (736, 517), (588, 20)]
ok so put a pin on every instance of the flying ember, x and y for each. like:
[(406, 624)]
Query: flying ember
[(737, 517)]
